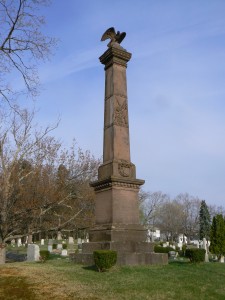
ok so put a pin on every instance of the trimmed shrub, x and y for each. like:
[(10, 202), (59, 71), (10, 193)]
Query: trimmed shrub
[(195, 254), (64, 246), (44, 255), (160, 249), (54, 246), (182, 252), (104, 259)]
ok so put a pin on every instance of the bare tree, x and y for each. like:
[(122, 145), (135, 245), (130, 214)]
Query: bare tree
[(22, 45), (170, 219), (216, 210), (150, 204), (19, 142), (190, 216), (42, 186)]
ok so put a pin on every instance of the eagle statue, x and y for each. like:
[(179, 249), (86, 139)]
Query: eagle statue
[(113, 36)]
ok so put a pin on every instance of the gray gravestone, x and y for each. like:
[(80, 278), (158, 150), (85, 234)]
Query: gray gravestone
[(71, 240), (59, 236), (33, 252)]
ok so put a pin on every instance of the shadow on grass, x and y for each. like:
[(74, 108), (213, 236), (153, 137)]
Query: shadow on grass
[(90, 268), (179, 262), (12, 287)]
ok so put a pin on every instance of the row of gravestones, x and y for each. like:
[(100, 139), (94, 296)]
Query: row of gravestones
[(33, 250), (204, 245)]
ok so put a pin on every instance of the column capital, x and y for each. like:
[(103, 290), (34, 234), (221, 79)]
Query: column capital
[(115, 54)]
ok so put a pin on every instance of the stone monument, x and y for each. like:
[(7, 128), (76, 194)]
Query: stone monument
[(117, 225)]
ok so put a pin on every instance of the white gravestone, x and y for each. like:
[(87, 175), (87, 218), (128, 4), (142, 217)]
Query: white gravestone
[(50, 241), (59, 246), (222, 259), (71, 241), (42, 242), (19, 243), (206, 250), (33, 252), (64, 252)]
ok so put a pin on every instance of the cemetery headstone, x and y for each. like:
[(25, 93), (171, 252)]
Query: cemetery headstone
[(222, 258), (33, 252), (50, 248), (206, 250), (59, 246), (19, 243), (42, 242), (71, 240), (50, 242), (64, 252), (59, 236), (2, 253)]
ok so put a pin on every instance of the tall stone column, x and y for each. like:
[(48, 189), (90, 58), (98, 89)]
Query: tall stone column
[(116, 204), (117, 225)]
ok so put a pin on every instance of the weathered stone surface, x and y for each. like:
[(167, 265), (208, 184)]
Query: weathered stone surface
[(132, 232), (142, 247), (125, 258), (117, 224), (33, 252), (2, 253)]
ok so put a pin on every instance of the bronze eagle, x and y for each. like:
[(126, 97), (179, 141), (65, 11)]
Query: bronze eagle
[(113, 36)]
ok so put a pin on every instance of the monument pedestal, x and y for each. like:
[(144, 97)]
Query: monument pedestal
[(117, 226)]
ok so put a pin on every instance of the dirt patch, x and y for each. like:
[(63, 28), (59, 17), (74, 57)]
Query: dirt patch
[(32, 281), (15, 287)]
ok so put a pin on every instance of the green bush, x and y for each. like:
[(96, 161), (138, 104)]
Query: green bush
[(195, 254), (104, 259), (44, 255), (182, 252), (64, 246), (54, 246), (160, 249)]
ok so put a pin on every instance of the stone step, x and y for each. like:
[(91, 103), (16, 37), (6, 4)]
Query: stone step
[(125, 258), (142, 247)]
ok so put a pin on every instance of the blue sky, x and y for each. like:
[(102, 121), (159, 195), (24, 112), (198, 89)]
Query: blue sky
[(176, 87)]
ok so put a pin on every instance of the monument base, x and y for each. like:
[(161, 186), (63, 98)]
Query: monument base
[(131, 253), (118, 233), (128, 253)]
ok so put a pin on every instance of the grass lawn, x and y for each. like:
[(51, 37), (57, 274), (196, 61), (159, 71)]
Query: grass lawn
[(60, 279)]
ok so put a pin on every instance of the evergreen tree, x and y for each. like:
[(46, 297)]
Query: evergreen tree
[(204, 221), (217, 235)]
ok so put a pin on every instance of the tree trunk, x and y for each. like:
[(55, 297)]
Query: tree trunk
[(2, 253)]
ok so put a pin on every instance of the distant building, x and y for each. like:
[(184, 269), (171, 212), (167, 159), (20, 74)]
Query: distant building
[(153, 234)]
